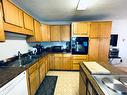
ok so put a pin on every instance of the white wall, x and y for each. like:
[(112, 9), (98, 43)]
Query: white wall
[(120, 27), (12, 45)]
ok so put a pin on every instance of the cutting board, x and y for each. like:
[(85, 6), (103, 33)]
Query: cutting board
[(96, 68)]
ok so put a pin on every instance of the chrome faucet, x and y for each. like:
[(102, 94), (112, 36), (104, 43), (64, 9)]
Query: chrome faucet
[(19, 58)]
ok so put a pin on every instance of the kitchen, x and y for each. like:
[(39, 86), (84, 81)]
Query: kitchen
[(38, 45)]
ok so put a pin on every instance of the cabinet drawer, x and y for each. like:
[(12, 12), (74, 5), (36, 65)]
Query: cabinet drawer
[(58, 55), (66, 55), (33, 68), (75, 66), (80, 57), (77, 61)]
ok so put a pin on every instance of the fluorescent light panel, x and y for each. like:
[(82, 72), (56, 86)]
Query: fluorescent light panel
[(84, 4)]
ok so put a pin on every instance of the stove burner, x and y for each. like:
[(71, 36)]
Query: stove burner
[(115, 85)]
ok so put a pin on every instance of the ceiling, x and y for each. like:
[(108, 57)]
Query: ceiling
[(64, 11)]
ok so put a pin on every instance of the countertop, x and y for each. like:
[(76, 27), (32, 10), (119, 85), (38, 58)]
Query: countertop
[(113, 70), (7, 73)]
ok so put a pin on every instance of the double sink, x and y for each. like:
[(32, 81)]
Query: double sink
[(23, 61), (112, 84)]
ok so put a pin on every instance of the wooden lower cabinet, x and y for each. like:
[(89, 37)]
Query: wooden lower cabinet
[(82, 86), (42, 71), (33, 78), (58, 61), (77, 59), (51, 61), (36, 74), (67, 62)]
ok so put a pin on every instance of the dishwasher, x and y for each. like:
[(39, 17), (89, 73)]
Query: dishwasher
[(17, 86)]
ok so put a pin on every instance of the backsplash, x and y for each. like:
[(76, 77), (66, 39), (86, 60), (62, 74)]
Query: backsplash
[(12, 45), (50, 44)]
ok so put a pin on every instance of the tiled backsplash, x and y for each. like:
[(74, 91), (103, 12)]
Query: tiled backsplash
[(50, 44)]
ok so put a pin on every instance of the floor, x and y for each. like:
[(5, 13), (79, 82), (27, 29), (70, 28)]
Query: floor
[(67, 82)]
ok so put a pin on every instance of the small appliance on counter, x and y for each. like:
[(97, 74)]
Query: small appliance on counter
[(40, 48), (79, 45), (68, 47), (57, 49)]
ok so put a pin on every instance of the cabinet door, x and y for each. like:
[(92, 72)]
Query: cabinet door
[(28, 22), (94, 30), (65, 33), (67, 62), (80, 29), (33, 85), (104, 50), (45, 33), (105, 29), (58, 61), (52, 61), (37, 31), (12, 14), (82, 86), (2, 36), (48, 33), (55, 33), (42, 71), (93, 49), (47, 64)]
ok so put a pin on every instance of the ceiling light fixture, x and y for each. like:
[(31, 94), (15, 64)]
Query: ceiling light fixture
[(84, 4)]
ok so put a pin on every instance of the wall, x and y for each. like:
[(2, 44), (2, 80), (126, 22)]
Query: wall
[(120, 27), (12, 45)]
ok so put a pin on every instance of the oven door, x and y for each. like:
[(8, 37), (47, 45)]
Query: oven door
[(80, 45)]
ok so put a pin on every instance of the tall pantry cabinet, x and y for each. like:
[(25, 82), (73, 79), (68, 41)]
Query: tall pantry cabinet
[(99, 39)]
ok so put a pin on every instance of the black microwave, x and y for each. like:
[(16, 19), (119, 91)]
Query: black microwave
[(79, 45)]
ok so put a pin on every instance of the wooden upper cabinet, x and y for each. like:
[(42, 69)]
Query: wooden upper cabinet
[(93, 49), (80, 29), (94, 29), (45, 32), (37, 31), (2, 36), (12, 14), (28, 22), (48, 33), (37, 37), (55, 33), (65, 32), (105, 28)]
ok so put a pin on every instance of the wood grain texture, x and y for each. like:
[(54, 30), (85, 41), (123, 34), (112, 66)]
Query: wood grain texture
[(11, 13), (45, 33), (55, 33), (2, 36), (94, 30), (80, 29), (28, 22), (105, 29), (93, 49), (65, 32)]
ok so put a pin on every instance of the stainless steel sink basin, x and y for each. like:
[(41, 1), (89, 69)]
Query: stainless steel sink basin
[(22, 62)]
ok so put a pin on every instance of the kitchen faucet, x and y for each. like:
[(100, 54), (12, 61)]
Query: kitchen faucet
[(19, 57)]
